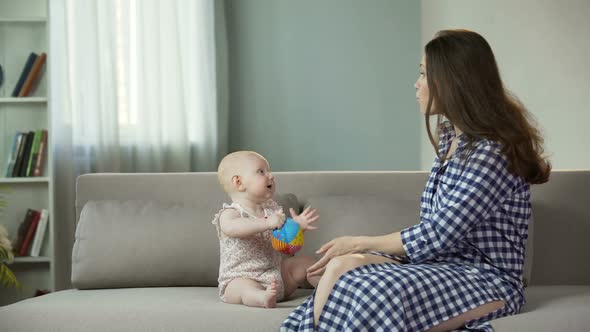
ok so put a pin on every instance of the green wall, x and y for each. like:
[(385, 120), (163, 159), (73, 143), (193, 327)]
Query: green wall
[(325, 85)]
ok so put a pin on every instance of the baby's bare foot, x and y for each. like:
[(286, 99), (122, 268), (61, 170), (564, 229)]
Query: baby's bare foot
[(270, 296)]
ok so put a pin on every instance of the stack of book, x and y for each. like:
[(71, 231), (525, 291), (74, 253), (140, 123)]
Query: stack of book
[(30, 74), (31, 233), (27, 154)]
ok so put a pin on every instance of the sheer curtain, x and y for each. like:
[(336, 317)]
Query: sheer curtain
[(136, 86)]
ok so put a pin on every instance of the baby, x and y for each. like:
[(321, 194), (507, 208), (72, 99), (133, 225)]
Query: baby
[(251, 272)]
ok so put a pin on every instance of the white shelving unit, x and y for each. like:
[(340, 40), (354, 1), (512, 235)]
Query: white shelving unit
[(39, 179), (24, 28), (23, 100)]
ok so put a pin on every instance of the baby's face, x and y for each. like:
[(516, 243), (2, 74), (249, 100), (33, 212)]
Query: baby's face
[(257, 178)]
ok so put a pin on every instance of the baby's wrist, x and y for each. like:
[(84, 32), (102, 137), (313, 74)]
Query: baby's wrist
[(267, 223)]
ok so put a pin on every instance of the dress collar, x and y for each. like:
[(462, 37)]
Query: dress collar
[(447, 133)]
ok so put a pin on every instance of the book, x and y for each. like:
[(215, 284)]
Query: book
[(40, 233), (19, 155), (26, 154), (34, 153), (33, 75), (13, 153), (28, 240), (22, 231), (24, 73), (42, 147)]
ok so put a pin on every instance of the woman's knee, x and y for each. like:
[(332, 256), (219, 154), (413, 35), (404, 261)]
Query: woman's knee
[(342, 264)]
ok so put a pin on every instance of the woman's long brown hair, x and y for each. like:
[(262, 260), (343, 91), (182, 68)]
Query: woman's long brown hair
[(465, 87)]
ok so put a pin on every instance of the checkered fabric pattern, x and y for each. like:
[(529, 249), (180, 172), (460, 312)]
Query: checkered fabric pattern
[(467, 250)]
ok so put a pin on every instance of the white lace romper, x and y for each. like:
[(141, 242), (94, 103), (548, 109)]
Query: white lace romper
[(253, 257)]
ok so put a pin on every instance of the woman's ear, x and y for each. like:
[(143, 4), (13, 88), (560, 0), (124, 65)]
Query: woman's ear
[(236, 181)]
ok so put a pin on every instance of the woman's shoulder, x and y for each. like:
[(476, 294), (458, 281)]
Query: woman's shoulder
[(486, 162), (484, 152), (487, 147), (487, 157)]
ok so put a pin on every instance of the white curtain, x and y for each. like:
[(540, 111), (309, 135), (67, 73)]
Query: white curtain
[(136, 86)]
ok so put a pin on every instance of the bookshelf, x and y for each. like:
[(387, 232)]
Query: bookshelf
[(24, 28)]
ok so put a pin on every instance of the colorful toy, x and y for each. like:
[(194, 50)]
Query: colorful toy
[(289, 238)]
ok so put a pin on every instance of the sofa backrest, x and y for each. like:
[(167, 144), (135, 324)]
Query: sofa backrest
[(150, 248), (349, 203), (561, 242)]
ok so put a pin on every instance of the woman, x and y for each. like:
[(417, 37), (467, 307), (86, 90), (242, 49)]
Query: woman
[(462, 265)]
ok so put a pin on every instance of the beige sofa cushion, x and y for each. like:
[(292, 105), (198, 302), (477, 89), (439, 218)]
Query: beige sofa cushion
[(149, 244), (143, 243), (550, 308), (348, 214)]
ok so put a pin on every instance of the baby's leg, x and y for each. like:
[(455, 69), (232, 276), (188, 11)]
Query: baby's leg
[(294, 273), (249, 292)]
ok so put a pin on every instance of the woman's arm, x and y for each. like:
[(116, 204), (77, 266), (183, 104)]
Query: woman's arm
[(233, 225), (389, 244), (479, 188)]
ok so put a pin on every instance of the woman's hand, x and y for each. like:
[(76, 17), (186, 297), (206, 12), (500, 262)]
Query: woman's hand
[(337, 247), (305, 219)]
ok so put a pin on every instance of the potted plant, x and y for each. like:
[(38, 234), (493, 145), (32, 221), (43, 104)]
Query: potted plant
[(7, 277)]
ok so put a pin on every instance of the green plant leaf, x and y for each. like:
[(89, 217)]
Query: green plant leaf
[(3, 254), (4, 190), (7, 278)]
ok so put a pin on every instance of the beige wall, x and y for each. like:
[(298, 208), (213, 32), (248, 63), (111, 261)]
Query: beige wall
[(543, 51)]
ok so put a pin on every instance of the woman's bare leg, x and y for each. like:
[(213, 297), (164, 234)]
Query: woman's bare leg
[(458, 321), (249, 292), (336, 267)]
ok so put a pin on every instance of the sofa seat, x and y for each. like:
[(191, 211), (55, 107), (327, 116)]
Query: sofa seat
[(143, 309), (548, 308)]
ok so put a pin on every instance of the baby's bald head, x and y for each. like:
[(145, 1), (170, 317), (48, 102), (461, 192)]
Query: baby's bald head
[(232, 165)]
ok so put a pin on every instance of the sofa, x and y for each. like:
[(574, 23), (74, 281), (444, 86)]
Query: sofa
[(145, 256)]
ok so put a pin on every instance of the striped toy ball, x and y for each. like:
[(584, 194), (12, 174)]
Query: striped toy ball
[(288, 239)]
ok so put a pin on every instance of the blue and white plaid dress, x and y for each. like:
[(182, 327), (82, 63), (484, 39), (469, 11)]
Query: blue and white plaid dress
[(467, 250)]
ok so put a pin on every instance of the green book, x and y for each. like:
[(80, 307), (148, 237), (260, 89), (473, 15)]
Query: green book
[(34, 153)]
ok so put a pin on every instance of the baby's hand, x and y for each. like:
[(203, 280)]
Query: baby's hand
[(276, 220), (305, 219)]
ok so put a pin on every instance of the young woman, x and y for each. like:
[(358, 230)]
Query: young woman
[(462, 265)]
